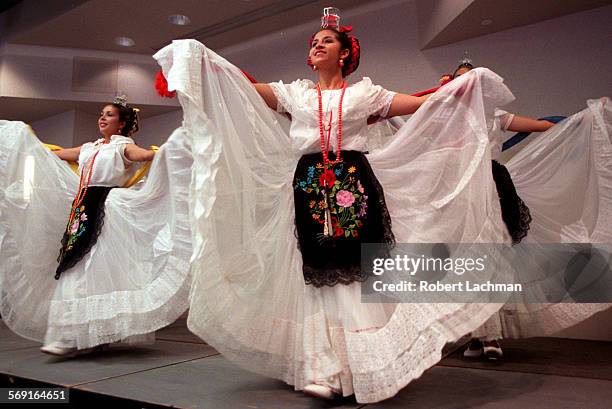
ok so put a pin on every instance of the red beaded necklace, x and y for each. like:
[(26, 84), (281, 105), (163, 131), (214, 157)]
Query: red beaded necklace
[(83, 186), (328, 227), (324, 146)]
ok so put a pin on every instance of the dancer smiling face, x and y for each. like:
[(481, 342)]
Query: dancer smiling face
[(327, 53), (116, 119), (110, 122)]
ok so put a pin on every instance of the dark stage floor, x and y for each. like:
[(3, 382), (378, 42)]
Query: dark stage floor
[(181, 371)]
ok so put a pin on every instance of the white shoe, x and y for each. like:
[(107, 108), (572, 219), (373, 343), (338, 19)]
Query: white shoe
[(492, 350), (53, 349), (319, 391)]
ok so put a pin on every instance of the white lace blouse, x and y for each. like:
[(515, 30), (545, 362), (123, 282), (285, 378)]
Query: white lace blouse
[(500, 125), (361, 100), (111, 167)]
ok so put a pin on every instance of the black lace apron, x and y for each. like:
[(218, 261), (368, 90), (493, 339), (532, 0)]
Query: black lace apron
[(357, 214), (83, 228), (515, 212)]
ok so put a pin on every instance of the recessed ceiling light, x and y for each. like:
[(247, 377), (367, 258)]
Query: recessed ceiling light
[(486, 22), (179, 20), (124, 41)]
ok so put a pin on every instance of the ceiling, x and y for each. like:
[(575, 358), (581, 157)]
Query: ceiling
[(94, 24), (33, 109), (468, 19)]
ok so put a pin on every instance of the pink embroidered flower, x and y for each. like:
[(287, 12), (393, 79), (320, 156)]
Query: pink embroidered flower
[(359, 187), (83, 216), (75, 227), (345, 198)]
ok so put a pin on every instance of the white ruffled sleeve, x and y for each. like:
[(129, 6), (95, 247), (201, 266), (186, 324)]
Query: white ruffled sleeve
[(505, 118), (121, 142), (288, 95), (377, 100)]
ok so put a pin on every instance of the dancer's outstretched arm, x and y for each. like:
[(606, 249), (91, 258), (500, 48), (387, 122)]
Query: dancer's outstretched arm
[(135, 153), (404, 104), (70, 155), (524, 124), (267, 94)]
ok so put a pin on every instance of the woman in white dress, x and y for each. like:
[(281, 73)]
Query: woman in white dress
[(516, 215), (566, 155), (264, 197), (115, 155), (123, 259)]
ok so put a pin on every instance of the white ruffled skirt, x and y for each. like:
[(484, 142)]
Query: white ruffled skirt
[(564, 176), (134, 280), (249, 299)]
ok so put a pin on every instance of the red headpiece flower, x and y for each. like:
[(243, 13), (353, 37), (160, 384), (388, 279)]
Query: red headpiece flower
[(161, 85)]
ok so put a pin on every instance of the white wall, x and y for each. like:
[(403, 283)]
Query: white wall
[(438, 14), (57, 129), (47, 73), (74, 128), (552, 66), (156, 129), (27, 76), (85, 128)]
